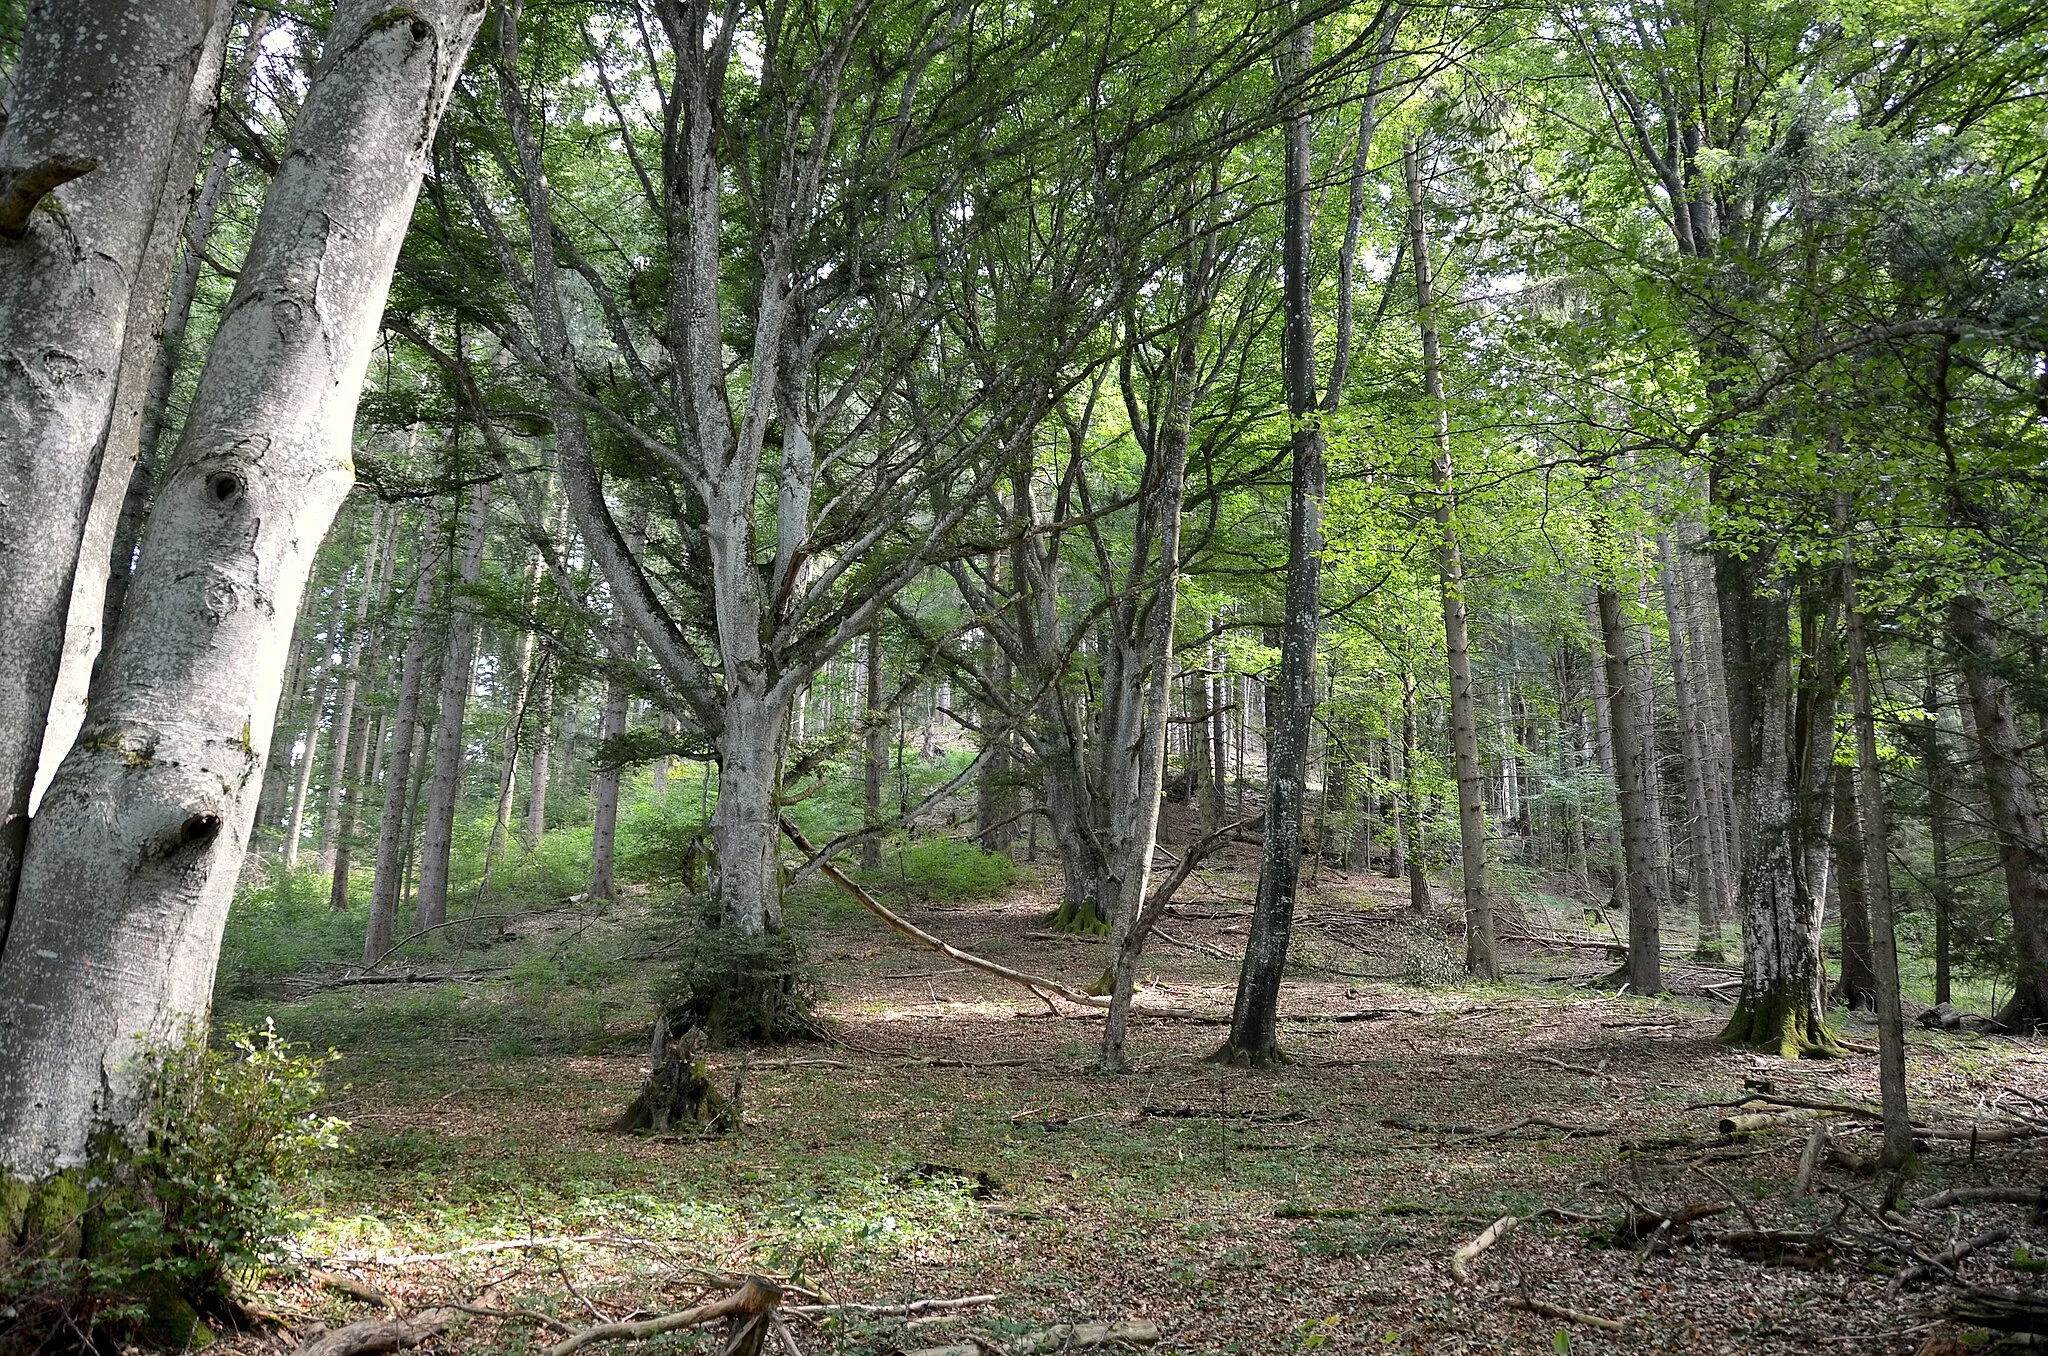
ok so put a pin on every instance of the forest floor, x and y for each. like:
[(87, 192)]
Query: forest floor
[(948, 1138)]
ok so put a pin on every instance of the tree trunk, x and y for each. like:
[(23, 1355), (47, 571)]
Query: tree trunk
[(1875, 841), (604, 829), (1784, 758), (2015, 810), (1631, 774), (1419, 899), (875, 754), (1934, 758), (1254, 1032), (370, 594), (96, 162), (136, 851), (746, 828), (535, 826), (1481, 958), (1710, 871), (394, 822), (1857, 986), (444, 772)]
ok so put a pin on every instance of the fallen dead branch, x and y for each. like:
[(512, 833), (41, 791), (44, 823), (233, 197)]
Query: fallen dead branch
[(1946, 1259), (751, 1302), (1040, 987), (1061, 1337), (1991, 1195), (349, 1285), (1590, 1071), (527, 1315), (1564, 1315), (376, 1335), (1493, 1233), (911, 1309), (1570, 1129), (2006, 1310)]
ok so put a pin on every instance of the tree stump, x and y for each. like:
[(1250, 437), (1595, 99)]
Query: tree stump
[(678, 1096)]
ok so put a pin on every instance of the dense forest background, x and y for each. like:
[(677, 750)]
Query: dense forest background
[(1210, 514)]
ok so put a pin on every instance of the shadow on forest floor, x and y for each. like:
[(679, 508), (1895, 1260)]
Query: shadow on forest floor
[(1315, 1207)]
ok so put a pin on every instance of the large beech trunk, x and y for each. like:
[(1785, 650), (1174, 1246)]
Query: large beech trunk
[(444, 769), (96, 164), (746, 827), (2015, 809), (1782, 723), (133, 858), (1632, 783), (1480, 955)]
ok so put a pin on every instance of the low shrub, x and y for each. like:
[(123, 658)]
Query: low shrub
[(741, 989), (202, 1194), (939, 867)]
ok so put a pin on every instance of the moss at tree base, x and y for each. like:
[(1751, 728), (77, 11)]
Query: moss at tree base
[(1782, 1022), (1239, 1057), (1079, 916)]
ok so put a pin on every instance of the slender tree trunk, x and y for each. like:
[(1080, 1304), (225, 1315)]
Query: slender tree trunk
[(1254, 1032), (875, 754), (1857, 986), (394, 823), (1481, 957), (2015, 809), (295, 825), (1419, 898), (604, 829), (1875, 835), (1631, 774), (128, 873), (543, 706), (351, 682), (1934, 759), (1710, 871), (444, 771)]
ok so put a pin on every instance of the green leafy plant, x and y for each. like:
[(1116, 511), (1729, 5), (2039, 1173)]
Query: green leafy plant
[(741, 989)]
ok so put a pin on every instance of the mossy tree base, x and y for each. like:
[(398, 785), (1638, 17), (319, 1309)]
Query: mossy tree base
[(1079, 916), (1240, 1057), (1784, 1023)]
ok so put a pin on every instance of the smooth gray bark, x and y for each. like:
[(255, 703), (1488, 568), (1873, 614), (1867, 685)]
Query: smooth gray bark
[(135, 853), (338, 780), (1710, 889), (394, 821), (444, 770), (874, 753), (604, 829), (101, 107)]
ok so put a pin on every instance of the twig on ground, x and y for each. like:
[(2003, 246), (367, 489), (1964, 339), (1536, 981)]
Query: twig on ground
[(753, 1299), (1492, 1234), (1564, 1315), (910, 1309), (530, 1315)]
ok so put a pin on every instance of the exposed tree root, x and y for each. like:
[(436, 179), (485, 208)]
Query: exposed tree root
[(1079, 916), (1783, 1023)]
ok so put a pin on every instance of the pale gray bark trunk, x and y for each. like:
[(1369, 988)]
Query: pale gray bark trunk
[(394, 821), (1710, 893), (138, 844), (875, 754), (1638, 837), (604, 829), (96, 152), (367, 596), (1481, 957), (535, 824), (444, 773), (1417, 869)]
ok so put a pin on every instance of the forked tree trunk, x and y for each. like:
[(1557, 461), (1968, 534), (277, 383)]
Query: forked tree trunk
[(1481, 958), (444, 771), (105, 102), (1631, 774), (135, 853), (1784, 753), (2015, 810)]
